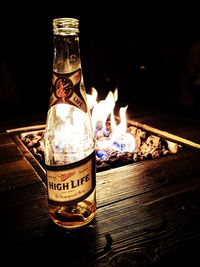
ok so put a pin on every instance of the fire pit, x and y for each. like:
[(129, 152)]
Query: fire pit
[(148, 146), (155, 194), (117, 143)]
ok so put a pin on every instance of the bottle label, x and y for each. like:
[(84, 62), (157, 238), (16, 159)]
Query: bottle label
[(71, 183), (67, 88)]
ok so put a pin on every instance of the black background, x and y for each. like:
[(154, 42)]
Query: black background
[(140, 47)]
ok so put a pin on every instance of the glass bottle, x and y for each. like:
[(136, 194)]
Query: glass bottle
[(69, 143)]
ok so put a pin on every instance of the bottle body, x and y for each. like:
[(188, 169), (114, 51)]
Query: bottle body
[(69, 140)]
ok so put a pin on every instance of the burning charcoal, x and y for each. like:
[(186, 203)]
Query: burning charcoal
[(173, 147), (41, 151), (33, 150), (144, 148), (38, 154), (132, 130), (148, 155), (33, 143), (114, 161), (152, 144), (30, 136), (141, 134), (165, 151), (113, 153), (25, 140), (98, 161), (138, 143), (147, 147), (154, 141), (157, 154), (39, 157), (135, 157), (41, 145), (41, 133), (126, 158), (103, 167)]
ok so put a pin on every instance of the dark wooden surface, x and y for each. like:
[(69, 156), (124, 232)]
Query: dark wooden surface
[(148, 212)]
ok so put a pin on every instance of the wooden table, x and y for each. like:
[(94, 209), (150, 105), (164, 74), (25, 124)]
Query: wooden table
[(148, 212)]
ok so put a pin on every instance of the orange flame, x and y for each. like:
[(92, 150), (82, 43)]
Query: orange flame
[(101, 111)]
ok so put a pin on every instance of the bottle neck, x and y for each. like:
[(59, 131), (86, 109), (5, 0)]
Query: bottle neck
[(66, 57), (65, 26)]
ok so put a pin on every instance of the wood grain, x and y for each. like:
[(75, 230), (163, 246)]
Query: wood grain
[(8, 150), (147, 211), (16, 174)]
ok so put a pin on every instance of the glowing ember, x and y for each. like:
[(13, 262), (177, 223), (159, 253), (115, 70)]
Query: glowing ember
[(113, 137), (116, 143)]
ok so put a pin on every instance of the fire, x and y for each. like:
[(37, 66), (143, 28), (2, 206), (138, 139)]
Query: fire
[(113, 137)]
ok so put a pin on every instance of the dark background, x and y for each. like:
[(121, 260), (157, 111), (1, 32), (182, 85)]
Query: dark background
[(140, 48)]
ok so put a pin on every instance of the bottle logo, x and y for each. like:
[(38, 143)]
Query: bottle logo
[(63, 89), (71, 184), (66, 89)]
